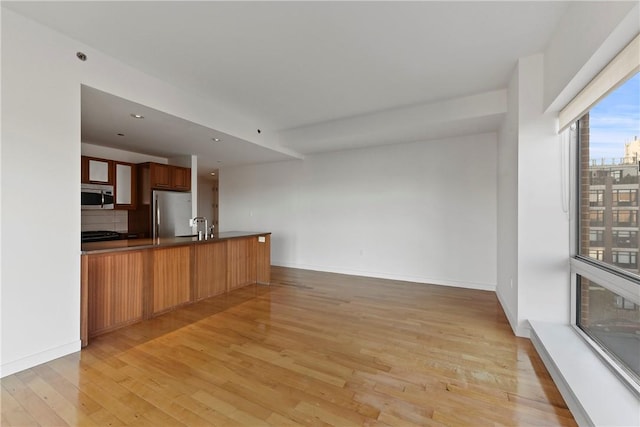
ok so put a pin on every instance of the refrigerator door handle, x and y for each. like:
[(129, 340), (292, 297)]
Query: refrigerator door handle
[(157, 224)]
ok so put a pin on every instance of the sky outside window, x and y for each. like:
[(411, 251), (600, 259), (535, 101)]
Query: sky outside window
[(614, 121)]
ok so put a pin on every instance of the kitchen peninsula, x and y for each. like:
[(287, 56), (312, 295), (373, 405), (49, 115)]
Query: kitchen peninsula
[(126, 281)]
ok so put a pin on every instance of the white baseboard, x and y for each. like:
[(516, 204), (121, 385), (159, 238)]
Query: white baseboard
[(38, 358), (379, 275), (520, 329)]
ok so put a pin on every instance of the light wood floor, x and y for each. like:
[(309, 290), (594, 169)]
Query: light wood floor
[(311, 349)]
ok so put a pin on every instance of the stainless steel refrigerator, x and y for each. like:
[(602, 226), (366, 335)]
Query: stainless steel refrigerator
[(171, 214)]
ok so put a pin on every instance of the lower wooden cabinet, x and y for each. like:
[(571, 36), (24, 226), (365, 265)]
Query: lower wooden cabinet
[(209, 269), (115, 292), (120, 288), (241, 262), (263, 260), (171, 278)]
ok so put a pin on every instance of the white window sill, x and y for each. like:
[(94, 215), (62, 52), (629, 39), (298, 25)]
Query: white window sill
[(593, 393)]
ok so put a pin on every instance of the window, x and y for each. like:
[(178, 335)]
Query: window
[(624, 197), (616, 176), (625, 239), (596, 254), (596, 238), (606, 264), (596, 198), (624, 218), (612, 321), (596, 218), (625, 259)]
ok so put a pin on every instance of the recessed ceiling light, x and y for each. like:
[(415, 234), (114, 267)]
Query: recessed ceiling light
[(120, 134), (216, 139), (213, 174), (137, 116)]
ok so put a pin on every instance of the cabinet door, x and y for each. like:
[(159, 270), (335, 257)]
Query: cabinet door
[(263, 260), (160, 176), (84, 170), (241, 262), (125, 185), (114, 287), (210, 269), (96, 171), (181, 178), (171, 278), (100, 171)]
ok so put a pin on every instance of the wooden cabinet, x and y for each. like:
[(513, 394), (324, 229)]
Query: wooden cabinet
[(96, 171), (241, 262), (263, 260), (125, 185), (171, 278), (160, 176), (169, 177), (114, 290), (180, 178), (120, 288), (209, 269)]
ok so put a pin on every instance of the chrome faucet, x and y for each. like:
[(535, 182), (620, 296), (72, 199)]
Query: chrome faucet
[(196, 222)]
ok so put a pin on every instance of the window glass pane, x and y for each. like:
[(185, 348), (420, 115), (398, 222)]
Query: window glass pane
[(608, 140), (612, 321), (609, 159)]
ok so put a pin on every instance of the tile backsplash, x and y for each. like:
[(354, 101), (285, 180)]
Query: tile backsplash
[(109, 220)]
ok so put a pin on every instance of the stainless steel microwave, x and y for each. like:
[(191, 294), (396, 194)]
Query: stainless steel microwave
[(96, 196)]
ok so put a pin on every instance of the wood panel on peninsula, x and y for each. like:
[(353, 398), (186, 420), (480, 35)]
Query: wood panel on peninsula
[(126, 281)]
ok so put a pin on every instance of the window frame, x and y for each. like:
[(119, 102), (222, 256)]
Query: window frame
[(616, 279), (580, 266)]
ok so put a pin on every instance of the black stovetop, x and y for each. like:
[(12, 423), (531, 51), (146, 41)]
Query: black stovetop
[(99, 236)]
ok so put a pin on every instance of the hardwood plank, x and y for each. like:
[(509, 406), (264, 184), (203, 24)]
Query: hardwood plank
[(13, 413), (311, 349), (37, 408)]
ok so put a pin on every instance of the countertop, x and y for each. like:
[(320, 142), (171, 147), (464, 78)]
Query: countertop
[(137, 244)]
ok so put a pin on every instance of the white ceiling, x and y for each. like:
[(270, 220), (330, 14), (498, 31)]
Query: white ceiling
[(317, 74)]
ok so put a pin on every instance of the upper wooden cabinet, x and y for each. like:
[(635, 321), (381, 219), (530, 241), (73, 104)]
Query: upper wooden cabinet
[(96, 171), (160, 175), (169, 177), (125, 185), (181, 178)]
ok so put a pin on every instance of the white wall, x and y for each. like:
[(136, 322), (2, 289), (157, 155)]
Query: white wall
[(40, 203), (424, 212), (93, 150), (507, 284), (205, 198), (41, 81), (533, 219), (543, 225), (533, 230)]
